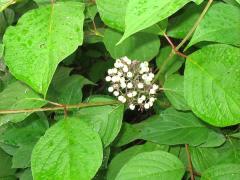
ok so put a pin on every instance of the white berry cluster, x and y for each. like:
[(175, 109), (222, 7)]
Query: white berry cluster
[(132, 83)]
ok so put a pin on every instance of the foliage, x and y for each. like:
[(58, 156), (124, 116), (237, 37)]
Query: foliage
[(59, 122)]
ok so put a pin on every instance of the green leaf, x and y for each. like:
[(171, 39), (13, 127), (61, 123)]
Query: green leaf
[(67, 89), (203, 158), (214, 139), (142, 14), (174, 90), (98, 70), (180, 25), (152, 165), (123, 157), (222, 172), (18, 96), (172, 127), (26, 175), (69, 150), (221, 31), (5, 3), (91, 11), (212, 84), (236, 135), (229, 152), (1, 50), (42, 38), (106, 120), (23, 136), (113, 13), (141, 46), (25, 132), (47, 2), (22, 157), (5, 165), (127, 134)]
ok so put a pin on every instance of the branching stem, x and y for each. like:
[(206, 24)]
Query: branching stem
[(62, 107), (175, 50)]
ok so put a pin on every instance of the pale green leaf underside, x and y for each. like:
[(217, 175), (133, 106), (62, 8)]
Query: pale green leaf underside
[(156, 165), (42, 38), (70, 150), (212, 84), (142, 14), (221, 24), (18, 96)]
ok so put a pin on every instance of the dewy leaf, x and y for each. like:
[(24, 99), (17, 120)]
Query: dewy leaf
[(212, 84), (142, 14), (106, 120), (172, 127), (174, 90), (153, 165), (69, 150), (141, 46), (214, 26), (123, 157), (18, 96), (113, 13), (42, 38), (222, 172)]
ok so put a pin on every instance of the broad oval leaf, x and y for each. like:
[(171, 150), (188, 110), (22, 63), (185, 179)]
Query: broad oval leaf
[(172, 127), (123, 157), (156, 165), (106, 120), (69, 150), (215, 28), (141, 46), (222, 172), (42, 38), (142, 14), (212, 84)]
